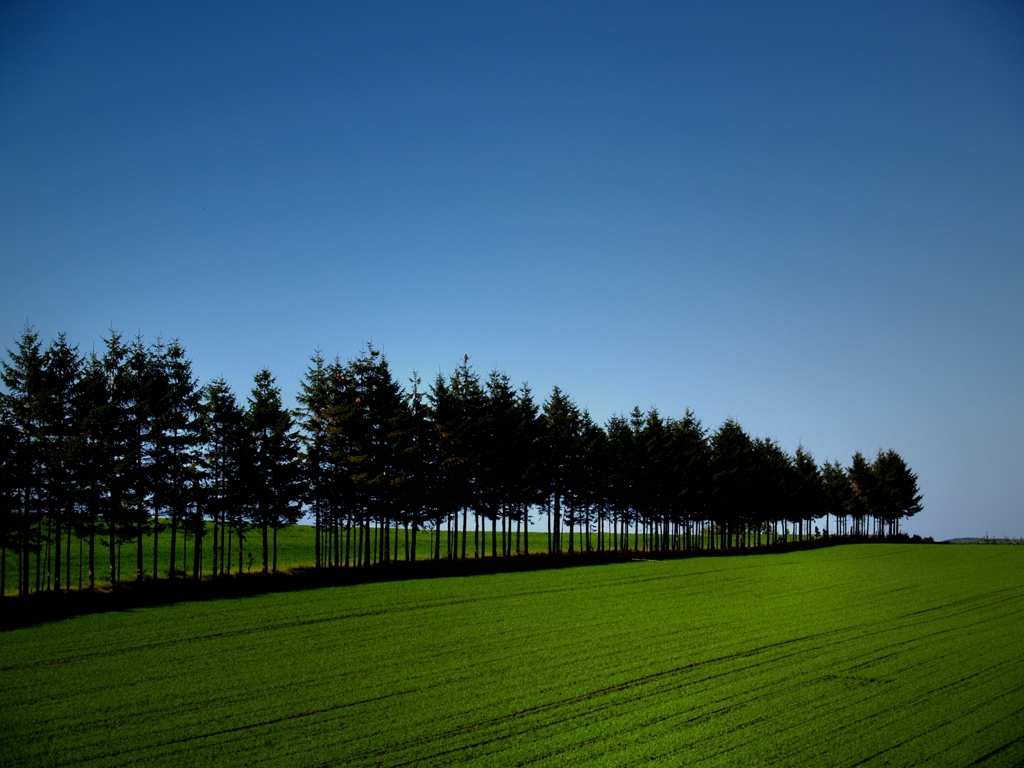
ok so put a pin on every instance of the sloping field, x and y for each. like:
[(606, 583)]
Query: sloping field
[(855, 655)]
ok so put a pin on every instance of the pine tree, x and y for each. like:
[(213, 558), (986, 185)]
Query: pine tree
[(138, 431), (466, 425), (176, 436), (62, 424), (110, 426), (449, 462), (226, 445), (275, 488), (691, 457), (622, 479), (561, 424), (838, 493), (863, 500), (421, 492), (809, 489), (731, 468), (8, 489), (897, 494), (316, 414), (529, 488), (23, 403)]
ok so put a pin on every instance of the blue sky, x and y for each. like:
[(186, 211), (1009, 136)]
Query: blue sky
[(810, 218)]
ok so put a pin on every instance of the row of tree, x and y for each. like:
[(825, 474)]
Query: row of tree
[(124, 448)]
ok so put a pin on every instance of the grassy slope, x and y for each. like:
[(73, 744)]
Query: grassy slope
[(888, 654)]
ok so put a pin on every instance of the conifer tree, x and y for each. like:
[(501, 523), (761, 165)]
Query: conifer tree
[(8, 489), (529, 485), (809, 492), (837, 493), (896, 490), (466, 427), (94, 458), (61, 419), (275, 489), (112, 430), (315, 399), (421, 491), (731, 467), (561, 424), (864, 498), (138, 430), (23, 403), (176, 439), (228, 460), (690, 448), (622, 479)]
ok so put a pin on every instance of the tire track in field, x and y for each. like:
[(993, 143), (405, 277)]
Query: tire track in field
[(645, 680), (392, 609), (923, 734), (683, 718), (926, 696), (797, 683), (161, 644), (232, 730), (586, 697), (998, 750), (790, 757)]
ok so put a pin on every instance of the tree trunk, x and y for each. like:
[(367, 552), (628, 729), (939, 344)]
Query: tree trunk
[(348, 541), (572, 530), (197, 551), (316, 508), (92, 554), (39, 538), (519, 529), (264, 530), (526, 529), (113, 556), (156, 539), (366, 543), (557, 522), (138, 554), (58, 541), (465, 511), (68, 579), (550, 540), (174, 544)]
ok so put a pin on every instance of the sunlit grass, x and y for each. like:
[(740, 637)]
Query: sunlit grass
[(888, 654)]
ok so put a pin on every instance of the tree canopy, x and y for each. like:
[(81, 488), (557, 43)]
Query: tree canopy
[(120, 448)]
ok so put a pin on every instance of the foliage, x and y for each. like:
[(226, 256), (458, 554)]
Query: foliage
[(124, 448)]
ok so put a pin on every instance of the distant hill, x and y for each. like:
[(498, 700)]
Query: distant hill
[(983, 540)]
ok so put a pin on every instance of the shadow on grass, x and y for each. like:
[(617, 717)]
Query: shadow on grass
[(54, 606)]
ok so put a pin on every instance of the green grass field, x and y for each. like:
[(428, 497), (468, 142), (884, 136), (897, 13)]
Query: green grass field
[(853, 655)]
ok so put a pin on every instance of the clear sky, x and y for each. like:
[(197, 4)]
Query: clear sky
[(810, 218)]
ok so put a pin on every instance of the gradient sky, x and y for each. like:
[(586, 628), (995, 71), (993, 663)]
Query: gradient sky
[(809, 218)]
